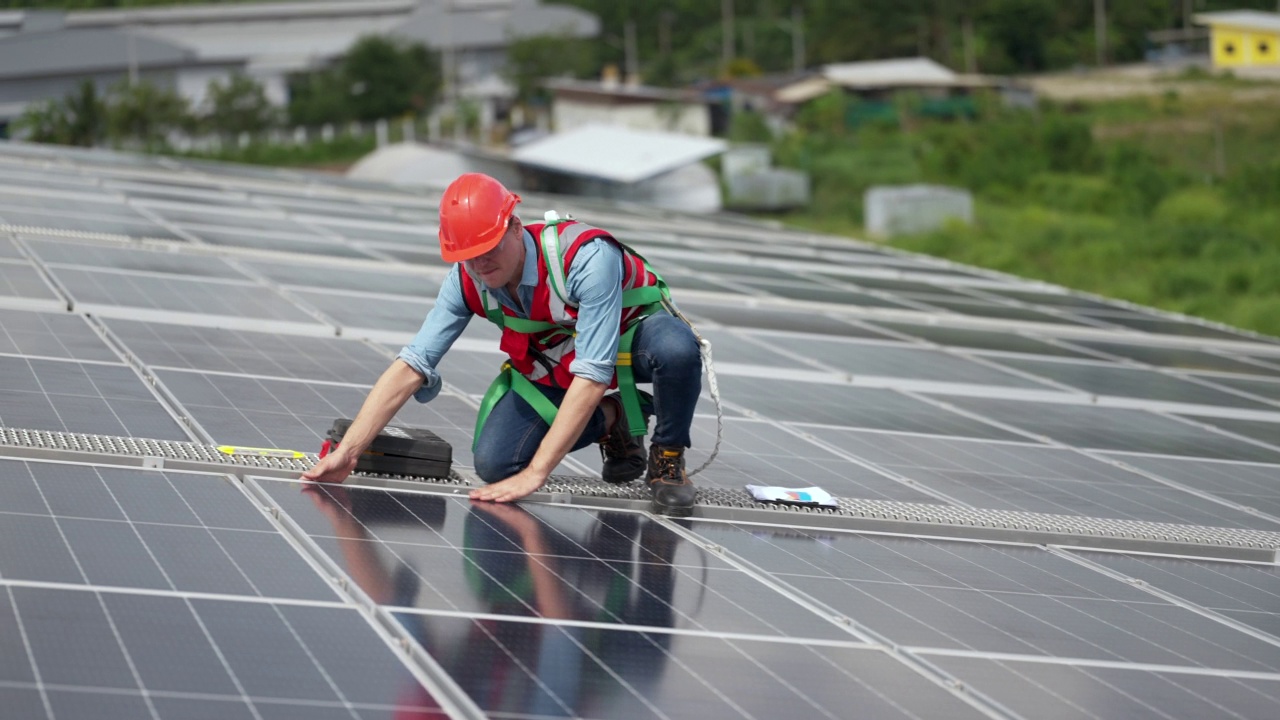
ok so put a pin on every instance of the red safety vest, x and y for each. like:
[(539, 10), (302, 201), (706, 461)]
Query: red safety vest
[(544, 355)]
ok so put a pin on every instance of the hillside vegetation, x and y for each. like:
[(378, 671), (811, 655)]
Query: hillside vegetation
[(1170, 201)]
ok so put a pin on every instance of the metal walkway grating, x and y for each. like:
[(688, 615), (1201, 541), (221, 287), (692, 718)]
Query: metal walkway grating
[(713, 503)]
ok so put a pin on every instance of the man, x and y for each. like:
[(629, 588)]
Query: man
[(567, 296)]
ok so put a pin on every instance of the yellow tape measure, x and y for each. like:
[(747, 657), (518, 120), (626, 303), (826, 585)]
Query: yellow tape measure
[(260, 452)]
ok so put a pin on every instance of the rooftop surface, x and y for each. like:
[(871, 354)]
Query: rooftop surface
[(616, 153), (1052, 505)]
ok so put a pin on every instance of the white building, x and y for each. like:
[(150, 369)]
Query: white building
[(579, 103), (50, 64), (40, 58)]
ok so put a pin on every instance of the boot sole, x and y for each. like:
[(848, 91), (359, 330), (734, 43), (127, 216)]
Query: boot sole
[(658, 508)]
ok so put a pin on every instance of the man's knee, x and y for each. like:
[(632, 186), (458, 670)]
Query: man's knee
[(491, 466), (679, 352)]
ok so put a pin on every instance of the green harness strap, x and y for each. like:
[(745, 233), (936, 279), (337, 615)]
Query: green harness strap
[(508, 379), (650, 297)]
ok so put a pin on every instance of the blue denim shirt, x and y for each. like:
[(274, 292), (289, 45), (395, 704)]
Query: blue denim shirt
[(594, 283)]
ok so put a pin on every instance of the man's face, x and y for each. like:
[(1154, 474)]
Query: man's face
[(504, 263)]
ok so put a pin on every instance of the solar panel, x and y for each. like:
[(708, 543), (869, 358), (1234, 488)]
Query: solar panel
[(1268, 388), (1114, 429), (1062, 690), (120, 258), (1264, 431), (891, 361), (73, 224), (995, 599), (117, 293), (845, 406), (1036, 479), (1071, 516), (1165, 326), (183, 347), (311, 245), (977, 339), (69, 396), (50, 335), (20, 281), (1106, 379), (1003, 312)]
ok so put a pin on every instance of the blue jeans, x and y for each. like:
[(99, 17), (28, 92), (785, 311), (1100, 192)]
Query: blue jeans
[(663, 352)]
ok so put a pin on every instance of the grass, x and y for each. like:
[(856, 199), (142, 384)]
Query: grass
[(1166, 201), (341, 150)]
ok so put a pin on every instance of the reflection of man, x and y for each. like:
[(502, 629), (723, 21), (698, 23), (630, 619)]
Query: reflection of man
[(383, 585), (518, 564), (580, 313)]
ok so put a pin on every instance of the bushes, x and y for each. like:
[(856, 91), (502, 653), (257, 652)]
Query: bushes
[(342, 149), (1180, 259), (1073, 193), (1002, 154), (1201, 206)]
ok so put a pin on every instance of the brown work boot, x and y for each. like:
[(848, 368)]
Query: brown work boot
[(672, 490), (622, 452)]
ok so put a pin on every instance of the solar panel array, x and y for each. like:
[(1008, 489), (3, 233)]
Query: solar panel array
[(189, 301)]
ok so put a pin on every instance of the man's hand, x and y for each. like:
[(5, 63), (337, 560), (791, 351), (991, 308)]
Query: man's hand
[(513, 488), (388, 395), (332, 468)]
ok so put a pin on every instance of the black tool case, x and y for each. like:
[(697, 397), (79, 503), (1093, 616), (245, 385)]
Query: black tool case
[(400, 451)]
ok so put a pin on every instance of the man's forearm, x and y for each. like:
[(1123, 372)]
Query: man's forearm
[(581, 400), (388, 395)]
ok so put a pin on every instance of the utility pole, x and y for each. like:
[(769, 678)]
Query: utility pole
[(1100, 29), (664, 33), (970, 58), (726, 21), (629, 48), (797, 39), (133, 55)]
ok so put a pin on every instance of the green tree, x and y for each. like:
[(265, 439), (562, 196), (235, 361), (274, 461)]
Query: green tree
[(77, 119), (145, 114), (44, 122), (87, 115), (387, 79), (825, 115), (378, 78), (317, 98), (239, 105), (530, 60)]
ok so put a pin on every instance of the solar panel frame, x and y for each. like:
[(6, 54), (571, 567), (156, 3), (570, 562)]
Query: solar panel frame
[(782, 615)]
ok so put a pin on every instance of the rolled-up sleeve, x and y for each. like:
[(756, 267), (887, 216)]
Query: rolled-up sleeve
[(595, 284), (444, 323)]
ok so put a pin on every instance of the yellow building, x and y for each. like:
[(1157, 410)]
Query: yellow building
[(1243, 38)]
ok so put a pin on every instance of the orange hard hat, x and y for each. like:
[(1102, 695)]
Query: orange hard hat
[(474, 213)]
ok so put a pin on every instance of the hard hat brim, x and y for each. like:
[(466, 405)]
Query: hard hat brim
[(473, 251)]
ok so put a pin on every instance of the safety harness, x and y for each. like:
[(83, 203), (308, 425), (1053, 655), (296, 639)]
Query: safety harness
[(648, 298)]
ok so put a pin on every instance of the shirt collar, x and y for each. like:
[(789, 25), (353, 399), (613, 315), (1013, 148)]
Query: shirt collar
[(529, 276)]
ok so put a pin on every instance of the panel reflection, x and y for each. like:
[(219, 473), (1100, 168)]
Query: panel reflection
[(618, 569), (405, 550), (441, 553)]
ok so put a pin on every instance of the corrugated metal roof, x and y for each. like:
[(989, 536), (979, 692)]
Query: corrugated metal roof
[(238, 12), (621, 90), (1252, 19), (616, 154), (438, 28), (918, 71), (83, 50), (803, 90)]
